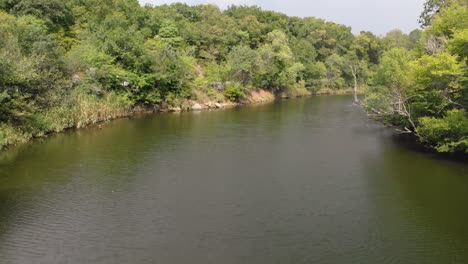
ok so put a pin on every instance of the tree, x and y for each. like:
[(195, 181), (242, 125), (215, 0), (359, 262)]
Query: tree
[(453, 16), (358, 69), (447, 134), (415, 37), (398, 39), (431, 8), (368, 47), (336, 67), (458, 45), (55, 13), (391, 98), (277, 69), (436, 80), (243, 64)]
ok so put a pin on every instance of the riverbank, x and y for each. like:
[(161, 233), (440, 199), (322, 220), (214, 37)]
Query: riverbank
[(87, 112), (328, 91)]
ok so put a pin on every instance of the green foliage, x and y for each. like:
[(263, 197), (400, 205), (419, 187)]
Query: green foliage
[(243, 64), (449, 133), (10, 135), (431, 7), (336, 65), (427, 89), (368, 47), (453, 16), (71, 63), (459, 43), (393, 69), (277, 69), (397, 39), (438, 72), (55, 13), (235, 92)]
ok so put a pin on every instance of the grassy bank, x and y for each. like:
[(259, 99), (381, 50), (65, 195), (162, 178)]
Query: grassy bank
[(82, 110)]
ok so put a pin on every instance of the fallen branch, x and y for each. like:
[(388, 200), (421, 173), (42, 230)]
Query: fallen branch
[(457, 104), (405, 131)]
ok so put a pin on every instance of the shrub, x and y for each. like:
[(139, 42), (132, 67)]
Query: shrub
[(235, 92), (448, 134)]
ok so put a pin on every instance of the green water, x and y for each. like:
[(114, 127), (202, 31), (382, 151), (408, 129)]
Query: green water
[(299, 181)]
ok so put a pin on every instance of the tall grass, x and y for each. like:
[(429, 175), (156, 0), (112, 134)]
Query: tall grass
[(78, 110)]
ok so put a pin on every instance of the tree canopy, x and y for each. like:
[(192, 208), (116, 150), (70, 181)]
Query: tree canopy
[(70, 63)]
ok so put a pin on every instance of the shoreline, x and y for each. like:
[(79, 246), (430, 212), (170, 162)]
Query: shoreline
[(408, 141), (255, 97)]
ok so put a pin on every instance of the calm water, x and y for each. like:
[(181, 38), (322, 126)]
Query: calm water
[(300, 181)]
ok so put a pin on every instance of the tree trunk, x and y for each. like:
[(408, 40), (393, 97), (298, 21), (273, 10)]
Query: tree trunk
[(355, 91), (356, 99)]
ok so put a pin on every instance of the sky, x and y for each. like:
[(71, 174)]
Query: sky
[(378, 16)]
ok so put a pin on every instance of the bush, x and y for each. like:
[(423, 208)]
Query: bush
[(235, 92), (448, 134), (10, 136)]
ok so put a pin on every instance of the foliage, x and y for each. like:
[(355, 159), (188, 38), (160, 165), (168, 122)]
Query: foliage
[(71, 63), (243, 64), (431, 8), (235, 92), (426, 89), (449, 133)]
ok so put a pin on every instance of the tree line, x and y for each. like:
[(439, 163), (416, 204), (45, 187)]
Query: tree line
[(424, 89), (66, 64)]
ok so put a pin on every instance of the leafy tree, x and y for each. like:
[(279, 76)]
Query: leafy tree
[(368, 47), (336, 66), (449, 133), (397, 39), (437, 82), (55, 13), (459, 44), (415, 37), (431, 8), (392, 96), (277, 69), (243, 64), (452, 17)]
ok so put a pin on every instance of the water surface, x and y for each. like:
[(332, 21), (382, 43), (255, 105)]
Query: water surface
[(300, 181)]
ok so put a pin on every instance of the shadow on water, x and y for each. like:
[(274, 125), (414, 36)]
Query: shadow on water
[(412, 143), (422, 203)]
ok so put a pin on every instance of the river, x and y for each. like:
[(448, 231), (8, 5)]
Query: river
[(299, 181)]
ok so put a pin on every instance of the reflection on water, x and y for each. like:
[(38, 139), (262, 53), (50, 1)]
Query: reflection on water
[(300, 181)]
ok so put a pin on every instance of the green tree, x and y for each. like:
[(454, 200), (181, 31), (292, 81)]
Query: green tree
[(57, 14), (397, 39), (431, 8), (436, 80), (391, 98), (243, 64)]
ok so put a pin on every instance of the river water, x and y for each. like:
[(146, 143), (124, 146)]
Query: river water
[(299, 181)]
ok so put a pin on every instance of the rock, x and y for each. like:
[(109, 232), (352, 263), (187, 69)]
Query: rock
[(176, 109), (209, 105), (218, 105), (197, 107), (218, 85), (76, 79)]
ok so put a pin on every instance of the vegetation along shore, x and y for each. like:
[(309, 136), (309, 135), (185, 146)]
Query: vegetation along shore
[(68, 64)]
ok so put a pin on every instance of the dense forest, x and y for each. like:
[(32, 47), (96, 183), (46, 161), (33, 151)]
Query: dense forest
[(66, 64)]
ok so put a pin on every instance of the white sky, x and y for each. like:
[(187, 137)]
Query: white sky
[(378, 16)]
